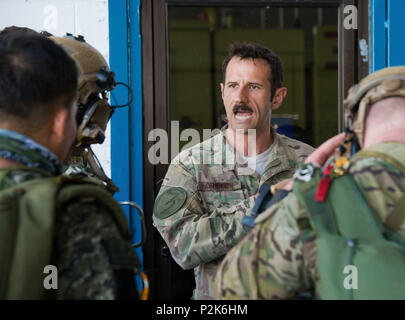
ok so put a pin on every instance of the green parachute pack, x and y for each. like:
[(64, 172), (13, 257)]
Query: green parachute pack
[(349, 235), (27, 216)]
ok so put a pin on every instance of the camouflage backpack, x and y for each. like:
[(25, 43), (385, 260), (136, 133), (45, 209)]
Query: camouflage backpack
[(27, 216), (350, 235)]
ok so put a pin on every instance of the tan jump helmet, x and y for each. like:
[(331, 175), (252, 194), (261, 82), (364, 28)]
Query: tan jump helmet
[(95, 81), (379, 85)]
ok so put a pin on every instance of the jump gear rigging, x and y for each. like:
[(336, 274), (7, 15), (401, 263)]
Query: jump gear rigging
[(348, 232)]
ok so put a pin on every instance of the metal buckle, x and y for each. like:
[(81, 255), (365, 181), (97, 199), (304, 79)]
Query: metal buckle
[(143, 223), (304, 174)]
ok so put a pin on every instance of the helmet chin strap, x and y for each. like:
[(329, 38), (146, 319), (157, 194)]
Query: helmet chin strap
[(92, 127), (351, 139), (98, 170), (91, 131), (83, 156)]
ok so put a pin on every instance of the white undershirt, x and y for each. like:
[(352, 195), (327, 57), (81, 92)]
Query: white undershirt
[(258, 163)]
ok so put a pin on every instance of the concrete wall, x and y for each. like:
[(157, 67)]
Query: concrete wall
[(85, 17)]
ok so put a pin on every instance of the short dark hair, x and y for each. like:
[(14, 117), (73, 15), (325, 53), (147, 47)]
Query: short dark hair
[(35, 73), (250, 50)]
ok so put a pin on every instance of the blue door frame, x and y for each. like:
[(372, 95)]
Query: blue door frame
[(387, 27), (126, 123)]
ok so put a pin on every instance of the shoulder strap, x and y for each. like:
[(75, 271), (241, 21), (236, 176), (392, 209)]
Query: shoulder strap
[(397, 217), (26, 224), (394, 154), (355, 219), (320, 212)]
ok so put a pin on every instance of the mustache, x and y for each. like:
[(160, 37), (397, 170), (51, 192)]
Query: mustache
[(241, 107)]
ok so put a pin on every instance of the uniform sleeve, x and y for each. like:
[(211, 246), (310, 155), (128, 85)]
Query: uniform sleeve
[(194, 235), (93, 260), (270, 262)]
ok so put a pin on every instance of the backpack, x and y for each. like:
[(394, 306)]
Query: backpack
[(27, 216), (358, 257)]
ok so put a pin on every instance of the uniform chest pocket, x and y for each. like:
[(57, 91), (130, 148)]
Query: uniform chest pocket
[(217, 194)]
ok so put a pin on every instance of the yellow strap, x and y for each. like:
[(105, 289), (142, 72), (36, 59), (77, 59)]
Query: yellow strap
[(145, 291)]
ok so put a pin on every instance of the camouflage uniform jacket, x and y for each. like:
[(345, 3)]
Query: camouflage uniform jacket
[(209, 192), (277, 259), (92, 259)]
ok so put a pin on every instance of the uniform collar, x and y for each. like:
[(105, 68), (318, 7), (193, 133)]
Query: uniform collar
[(278, 160), (19, 148)]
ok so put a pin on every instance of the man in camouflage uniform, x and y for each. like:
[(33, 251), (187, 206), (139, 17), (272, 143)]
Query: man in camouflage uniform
[(209, 188), (38, 84), (279, 258)]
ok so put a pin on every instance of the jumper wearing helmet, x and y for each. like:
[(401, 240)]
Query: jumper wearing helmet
[(385, 83)]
